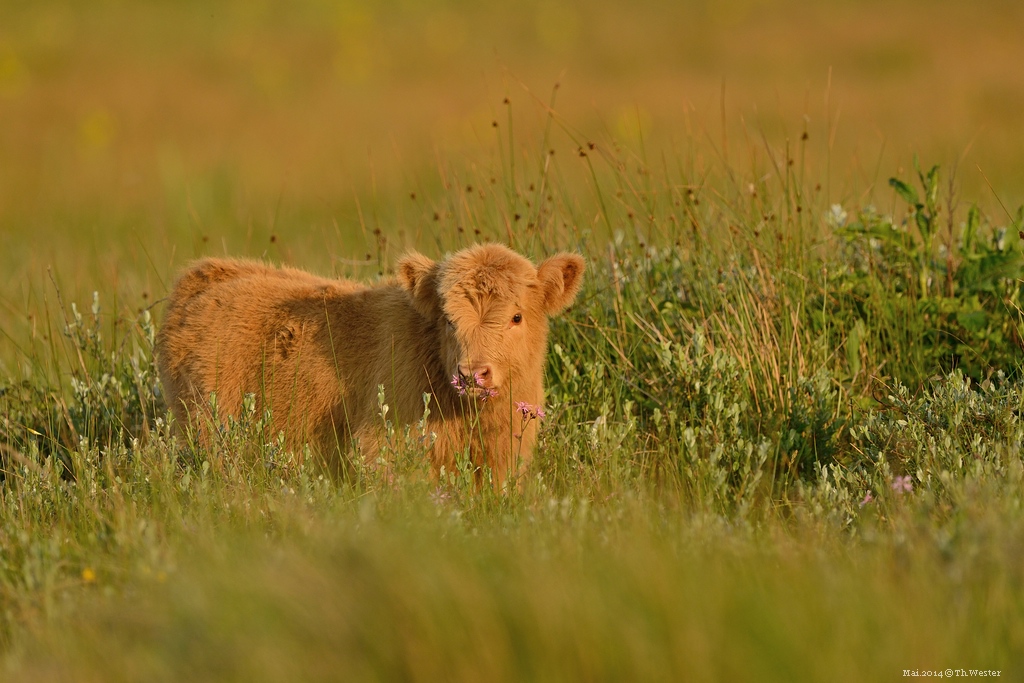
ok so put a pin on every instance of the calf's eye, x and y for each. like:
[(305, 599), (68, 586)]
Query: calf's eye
[(517, 318)]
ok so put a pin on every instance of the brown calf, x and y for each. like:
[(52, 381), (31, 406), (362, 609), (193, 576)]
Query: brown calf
[(470, 331)]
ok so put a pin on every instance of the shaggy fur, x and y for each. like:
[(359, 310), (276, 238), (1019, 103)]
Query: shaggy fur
[(315, 351)]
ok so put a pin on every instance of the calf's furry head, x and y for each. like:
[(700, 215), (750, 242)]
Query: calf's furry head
[(490, 308)]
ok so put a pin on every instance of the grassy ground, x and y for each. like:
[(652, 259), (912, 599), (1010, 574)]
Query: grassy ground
[(783, 436)]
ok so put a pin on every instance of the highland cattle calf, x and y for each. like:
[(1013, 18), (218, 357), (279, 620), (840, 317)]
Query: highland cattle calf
[(470, 331)]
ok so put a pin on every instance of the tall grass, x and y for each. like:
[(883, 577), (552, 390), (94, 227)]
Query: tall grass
[(783, 442), (559, 590)]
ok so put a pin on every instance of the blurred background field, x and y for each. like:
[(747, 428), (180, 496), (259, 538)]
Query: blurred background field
[(134, 136)]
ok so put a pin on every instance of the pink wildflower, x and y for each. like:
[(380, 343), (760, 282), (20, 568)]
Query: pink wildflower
[(462, 385), (901, 484), (530, 411), (868, 498), (440, 496), (485, 392)]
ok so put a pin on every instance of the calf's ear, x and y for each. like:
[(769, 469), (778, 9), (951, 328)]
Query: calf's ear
[(418, 276), (560, 278)]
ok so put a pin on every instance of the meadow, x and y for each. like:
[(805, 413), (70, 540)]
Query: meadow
[(783, 430)]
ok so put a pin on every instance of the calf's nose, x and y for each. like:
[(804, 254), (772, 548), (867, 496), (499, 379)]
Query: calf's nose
[(480, 375)]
